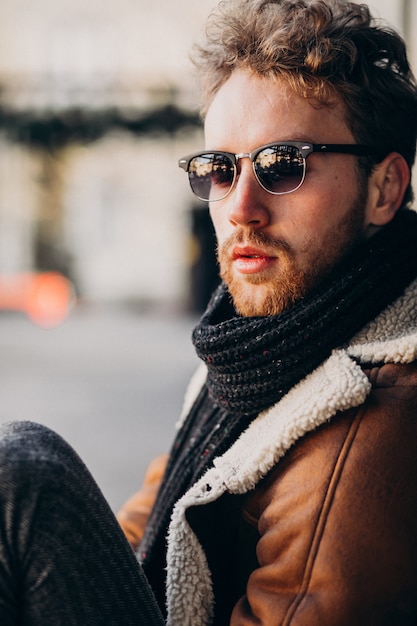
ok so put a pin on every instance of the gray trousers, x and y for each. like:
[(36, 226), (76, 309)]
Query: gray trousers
[(63, 557)]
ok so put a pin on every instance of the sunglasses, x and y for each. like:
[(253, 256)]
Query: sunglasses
[(279, 168)]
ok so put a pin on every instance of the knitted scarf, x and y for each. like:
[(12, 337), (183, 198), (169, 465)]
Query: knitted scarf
[(253, 362)]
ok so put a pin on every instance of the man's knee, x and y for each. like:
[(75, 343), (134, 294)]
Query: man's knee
[(28, 449)]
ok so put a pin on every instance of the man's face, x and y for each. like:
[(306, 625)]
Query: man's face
[(272, 249)]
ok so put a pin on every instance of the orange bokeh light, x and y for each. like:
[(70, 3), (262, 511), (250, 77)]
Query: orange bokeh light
[(46, 298)]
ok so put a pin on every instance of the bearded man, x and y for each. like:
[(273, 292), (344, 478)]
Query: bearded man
[(289, 496)]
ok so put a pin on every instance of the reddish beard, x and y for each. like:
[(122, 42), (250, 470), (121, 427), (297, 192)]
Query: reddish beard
[(274, 291)]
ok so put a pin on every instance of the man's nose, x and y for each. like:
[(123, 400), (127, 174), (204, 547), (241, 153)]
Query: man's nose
[(248, 202)]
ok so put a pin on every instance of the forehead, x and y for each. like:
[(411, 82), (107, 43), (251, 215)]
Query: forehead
[(252, 110)]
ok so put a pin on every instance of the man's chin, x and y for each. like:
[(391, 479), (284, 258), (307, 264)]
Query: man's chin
[(258, 300)]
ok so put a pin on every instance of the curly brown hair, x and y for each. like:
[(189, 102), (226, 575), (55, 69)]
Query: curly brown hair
[(324, 50)]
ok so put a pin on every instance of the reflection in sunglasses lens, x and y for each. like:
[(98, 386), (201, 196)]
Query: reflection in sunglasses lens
[(280, 169), (211, 176)]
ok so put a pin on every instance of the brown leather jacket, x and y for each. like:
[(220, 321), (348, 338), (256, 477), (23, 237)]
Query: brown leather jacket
[(319, 530)]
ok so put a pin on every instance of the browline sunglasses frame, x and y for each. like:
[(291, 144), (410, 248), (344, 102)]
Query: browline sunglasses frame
[(305, 148)]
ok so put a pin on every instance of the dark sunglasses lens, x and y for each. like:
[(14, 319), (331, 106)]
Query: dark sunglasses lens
[(211, 176), (280, 168)]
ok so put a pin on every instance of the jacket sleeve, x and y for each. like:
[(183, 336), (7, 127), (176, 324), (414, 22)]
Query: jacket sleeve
[(134, 514), (336, 521)]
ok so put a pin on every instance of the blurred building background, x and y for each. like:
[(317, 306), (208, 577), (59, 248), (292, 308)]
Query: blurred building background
[(97, 103), (96, 106)]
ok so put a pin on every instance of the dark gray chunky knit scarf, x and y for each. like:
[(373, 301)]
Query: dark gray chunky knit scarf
[(253, 362)]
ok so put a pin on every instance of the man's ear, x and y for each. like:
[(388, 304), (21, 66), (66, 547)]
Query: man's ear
[(386, 188)]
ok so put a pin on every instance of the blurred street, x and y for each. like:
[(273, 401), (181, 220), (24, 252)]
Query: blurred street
[(109, 380)]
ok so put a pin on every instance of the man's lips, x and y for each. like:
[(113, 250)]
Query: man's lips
[(251, 260)]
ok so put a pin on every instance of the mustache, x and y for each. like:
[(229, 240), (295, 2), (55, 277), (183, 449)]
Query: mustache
[(253, 238)]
